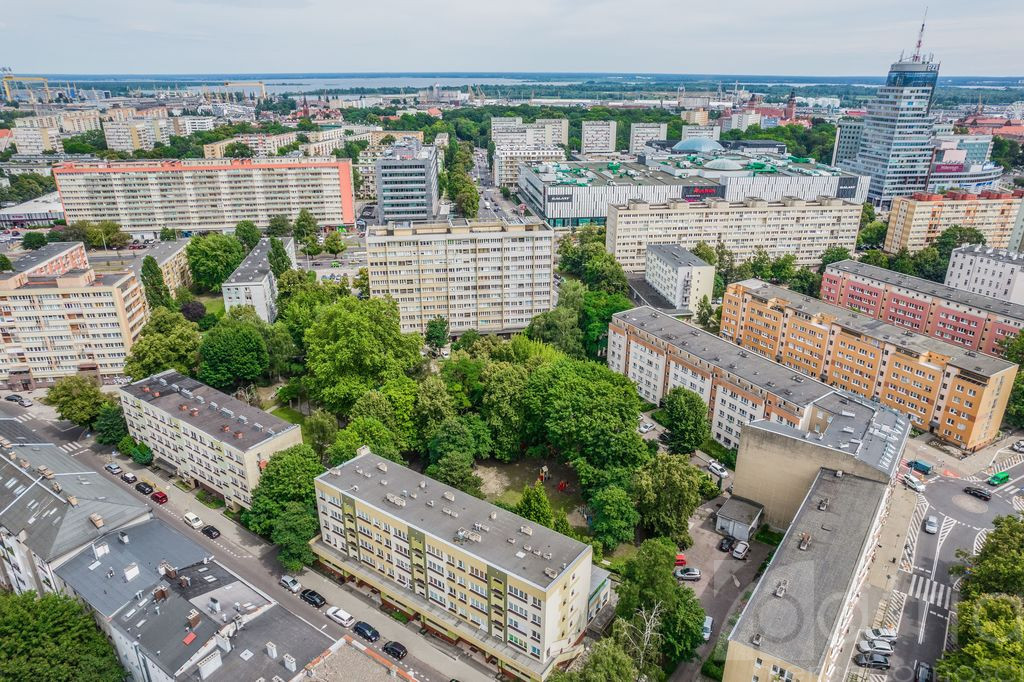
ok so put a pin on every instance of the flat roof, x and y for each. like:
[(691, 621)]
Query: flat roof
[(751, 162), (990, 253), (34, 259), (676, 254), (47, 203), (169, 390), (255, 267), (741, 510), (460, 226), (788, 384), (611, 174), (924, 286), (913, 342), (161, 253), (797, 626), (363, 478)]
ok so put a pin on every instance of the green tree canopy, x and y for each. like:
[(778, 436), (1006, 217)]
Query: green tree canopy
[(279, 226), (364, 431), (167, 341), (77, 399), (278, 257), (559, 327), (615, 516), (607, 662), (334, 243), (686, 418), (999, 566), (238, 150), (294, 527), (33, 241), (437, 332), (305, 226), (157, 293), (288, 477), (872, 235), (248, 234), (109, 424), (5, 263), (535, 505), (212, 258), (833, 255), (990, 645), (319, 430), (231, 353), (666, 492)]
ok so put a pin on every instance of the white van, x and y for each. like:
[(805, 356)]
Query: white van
[(709, 625), (913, 482)]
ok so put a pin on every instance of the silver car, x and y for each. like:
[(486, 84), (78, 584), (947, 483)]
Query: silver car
[(875, 646), (931, 525), (290, 584)]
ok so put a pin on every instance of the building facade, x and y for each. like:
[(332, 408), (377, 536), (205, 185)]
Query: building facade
[(983, 270), (544, 132), (206, 438), (261, 144), (491, 276), (173, 263), (678, 275), (791, 226), (67, 122), (59, 317), (138, 133), (509, 158), (206, 194), (37, 140), (597, 137), (186, 125), (958, 395), (917, 221), (407, 183), (38, 212), (847, 144), (962, 318), (253, 282), (642, 133), (471, 571)]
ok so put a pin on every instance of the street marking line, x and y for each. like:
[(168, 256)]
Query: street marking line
[(979, 540)]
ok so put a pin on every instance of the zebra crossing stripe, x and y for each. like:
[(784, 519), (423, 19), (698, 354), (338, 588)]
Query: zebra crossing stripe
[(929, 591)]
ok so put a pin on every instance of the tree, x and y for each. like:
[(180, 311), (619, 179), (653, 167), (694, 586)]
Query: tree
[(1013, 351), (278, 257), (667, 491), (238, 150), (77, 399), (361, 283), (607, 662), (535, 505), (872, 235), (305, 226), (232, 353), (596, 313), (999, 566), (212, 258), (559, 327), (783, 268), (956, 236), (867, 214), (686, 418), (455, 468), (875, 257), (248, 234), (990, 646), (353, 346), (53, 637), (279, 226), (167, 341), (105, 234), (320, 430), (359, 432), (833, 255), (705, 252), (437, 332), (292, 531), (168, 234), (466, 434), (5, 263), (334, 243), (434, 407), (33, 241), (704, 312), (807, 282), (602, 272), (109, 424), (193, 311), (502, 407), (157, 293), (288, 477), (615, 516), (640, 637), (386, 140)]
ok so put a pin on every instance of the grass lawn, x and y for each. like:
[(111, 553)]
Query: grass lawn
[(505, 482), (214, 303), (289, 414)]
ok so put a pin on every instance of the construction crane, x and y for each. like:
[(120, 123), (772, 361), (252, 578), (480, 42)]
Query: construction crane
[(9, 78), (259, 84)]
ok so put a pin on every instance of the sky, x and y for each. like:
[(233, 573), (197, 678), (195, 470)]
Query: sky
[(786, 37)]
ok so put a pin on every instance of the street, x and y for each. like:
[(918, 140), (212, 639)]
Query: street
[(253, 558)]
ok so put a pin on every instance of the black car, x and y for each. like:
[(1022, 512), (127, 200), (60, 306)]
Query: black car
[(144, 487), (14, 398), (980, 493), (210, 532), (872, 661), (129, 477), (313, 598), (395, 650), (366, 631), (923, 672), (727, 543)]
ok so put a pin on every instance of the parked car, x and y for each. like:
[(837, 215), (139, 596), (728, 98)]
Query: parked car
[(875, 646), (872, 661), (159, 497), (395, 649), (14, 398), (210, 532), (680, 559), (25, 402), (741, 550), (1016, 447), (129, 477), (726, 544), (931, 525), (646, 427), (290, 583), (980, 493), (709, 625), (688, 573), (718, 469), (366, 631), (192, 520), (340, 616), (313, 598), (113, 468), (144, 488), (913, 482), (923, 673), (887, 634)]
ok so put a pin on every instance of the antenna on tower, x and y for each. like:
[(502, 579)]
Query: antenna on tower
[(920, 37)]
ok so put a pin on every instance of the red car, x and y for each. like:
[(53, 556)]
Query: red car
[(159, 497), (680, 559)]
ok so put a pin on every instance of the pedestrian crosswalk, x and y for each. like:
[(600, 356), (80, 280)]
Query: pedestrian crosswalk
[(930, 591), (70, 447), (22, 418)]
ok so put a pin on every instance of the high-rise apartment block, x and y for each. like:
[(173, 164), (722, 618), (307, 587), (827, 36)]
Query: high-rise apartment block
[(848, 135), (791, 226), (986, 271), (491, 276), (896, 138), (739, 120), (367, 163), (642, 133), (67, 122), (917, 221), (697, 117), (253, 282), (470, 571), (206, 194), (597, 137), (960, 317), (37, 140), (138, 133), (702, 131), (206, 438), (678, 275), (957, 394), (261, 144), (509, 157), (172, 260), (407, 183), (59, 317), (544, 132), (186, 125)]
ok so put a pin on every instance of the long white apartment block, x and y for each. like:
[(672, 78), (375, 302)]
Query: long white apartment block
[(509, 157), (983, 270), (253, 282), (37, 140), (542, 132), (597, 137), (487, 275), (139, 133), (678, 275), (642, 133)]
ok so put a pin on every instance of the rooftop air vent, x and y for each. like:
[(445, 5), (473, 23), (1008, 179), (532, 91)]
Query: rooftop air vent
[(525, 530), (805, 542), (823, 504), (756, 639), (382, 466), (780, 589), (448, 495)]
